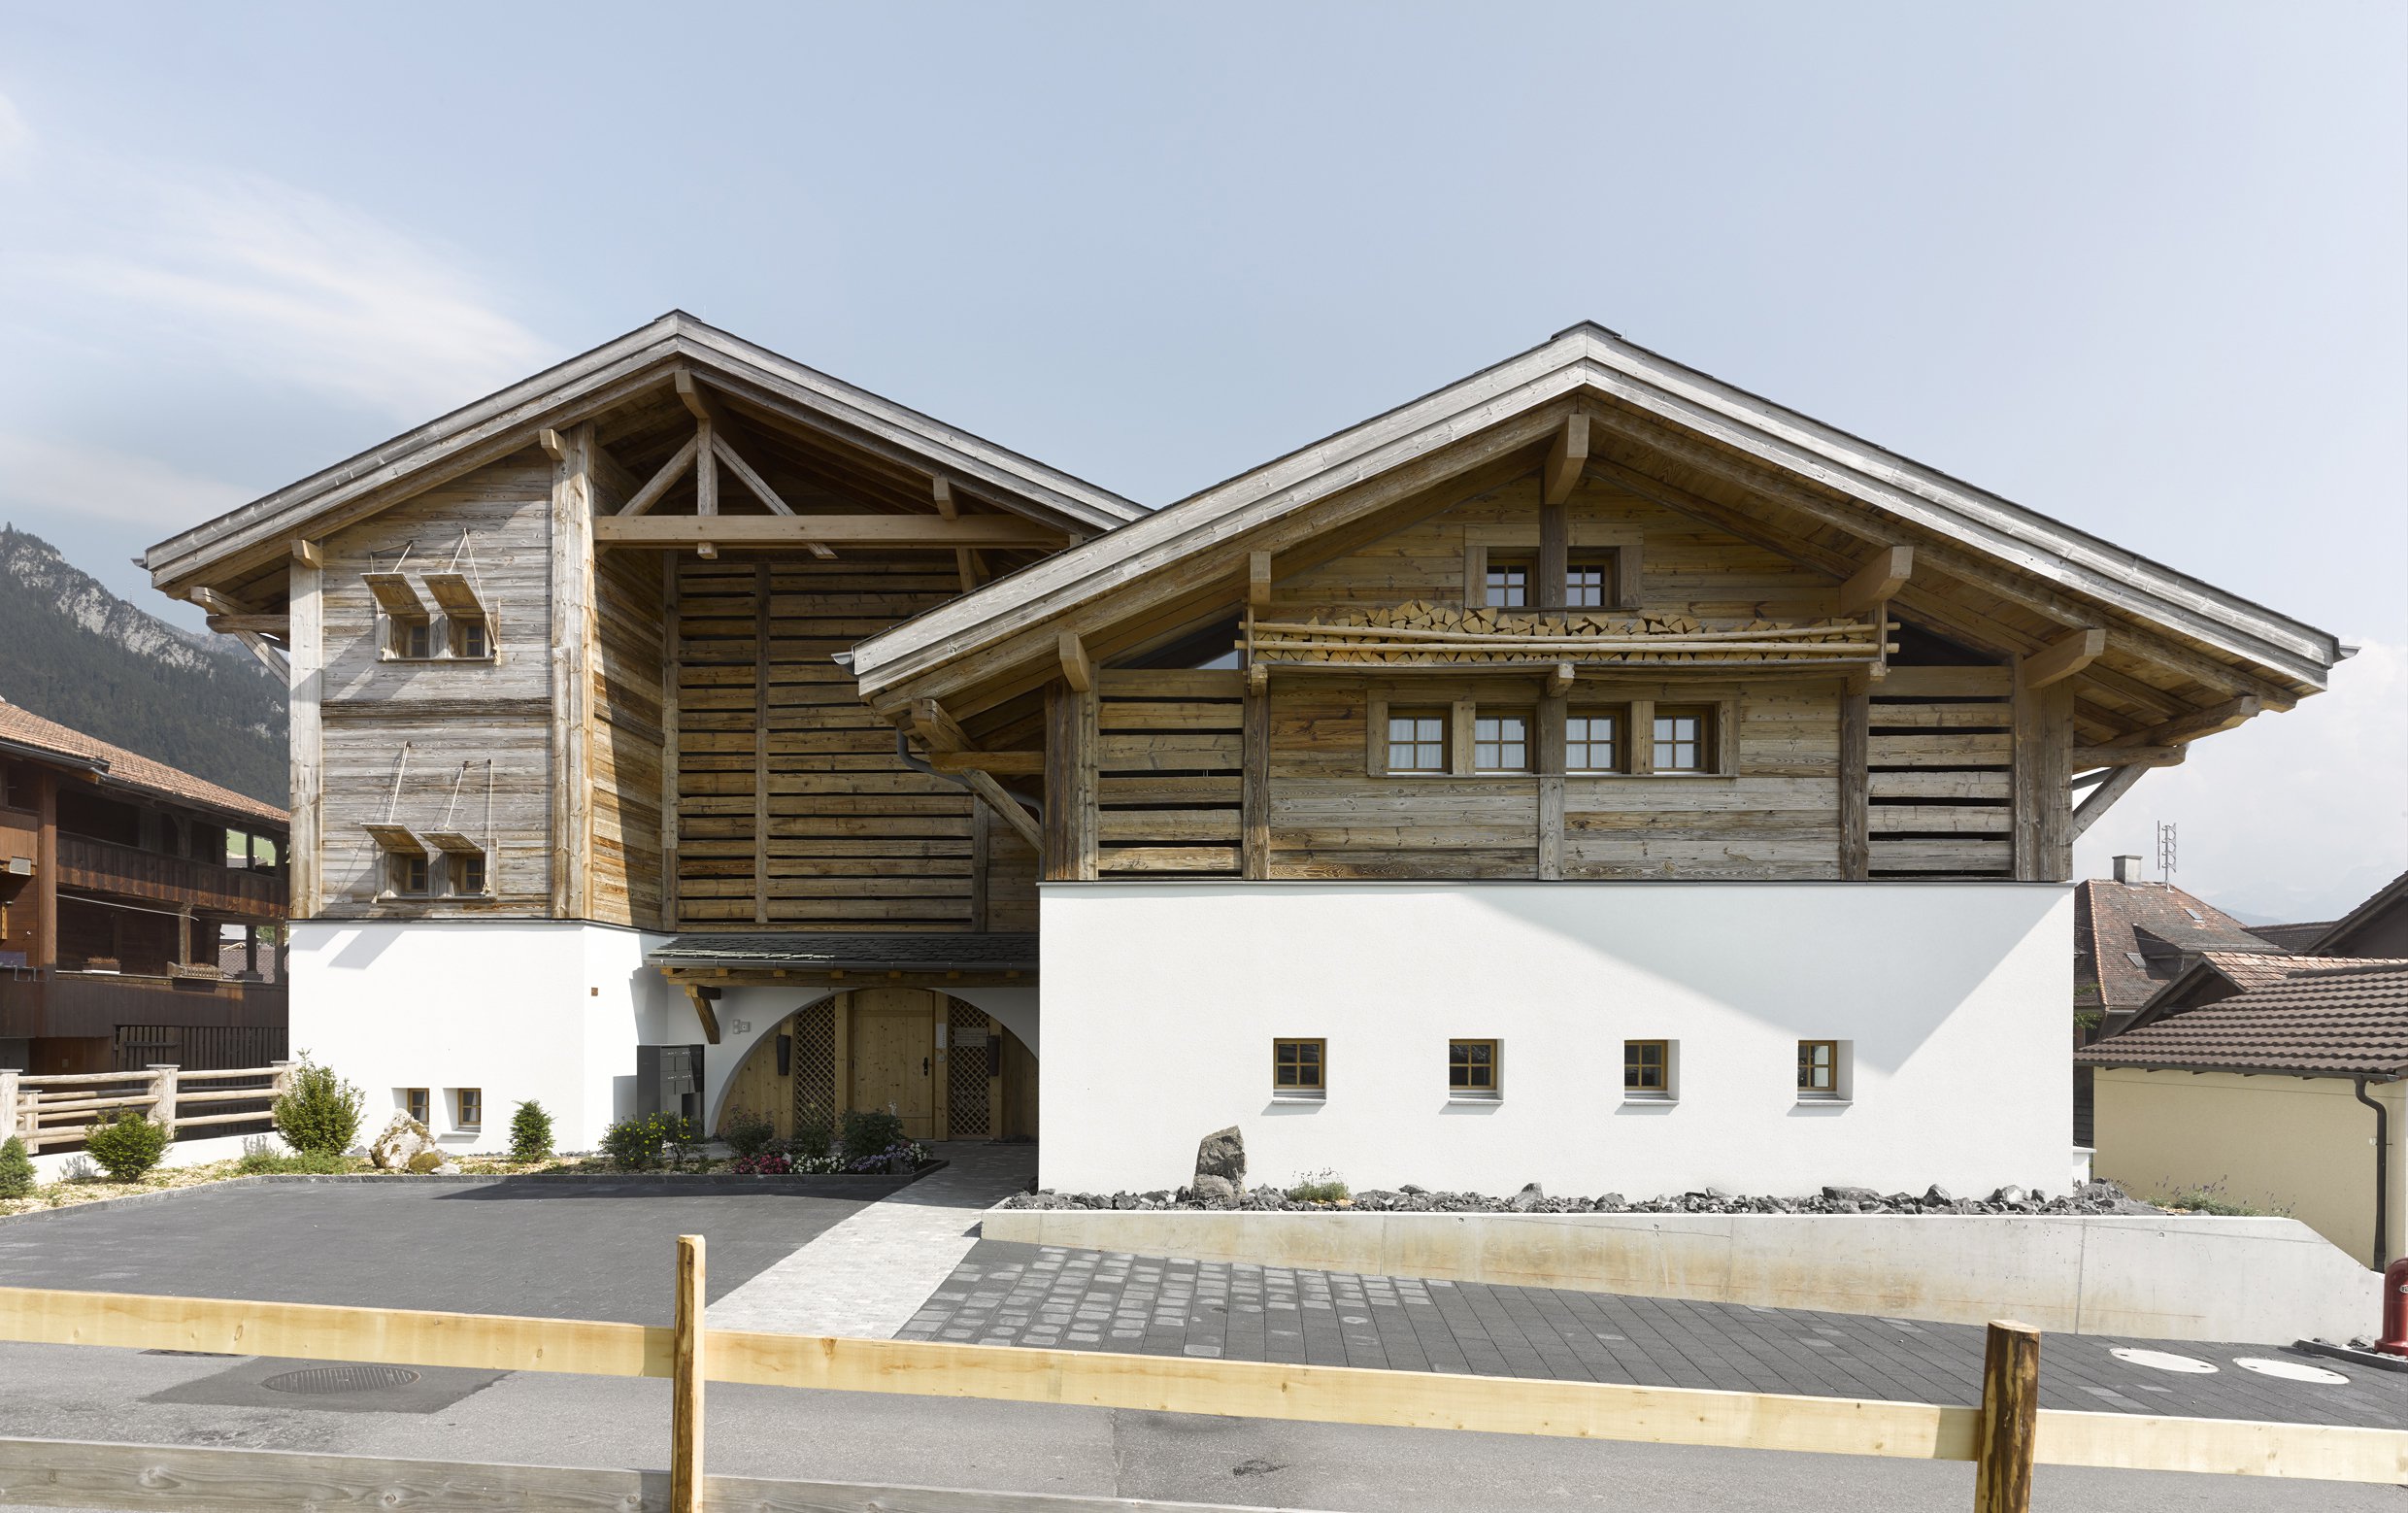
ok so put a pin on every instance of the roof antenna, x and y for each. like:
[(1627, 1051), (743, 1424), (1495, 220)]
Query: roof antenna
[(2165, 854)]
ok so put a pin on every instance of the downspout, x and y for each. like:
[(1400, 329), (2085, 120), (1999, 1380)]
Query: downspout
[(2383, 1174)]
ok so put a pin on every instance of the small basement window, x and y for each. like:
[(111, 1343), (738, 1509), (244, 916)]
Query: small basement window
[(1416, 740), (1684, 738), (1820, 1070), (1593, 741), (1472, 1069), (1501, 741), (1647, 1069), (1298, 1068), (469, 1104), (415, 1104)]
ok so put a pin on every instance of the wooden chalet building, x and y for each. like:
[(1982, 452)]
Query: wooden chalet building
[(140, 909), (685, 727)]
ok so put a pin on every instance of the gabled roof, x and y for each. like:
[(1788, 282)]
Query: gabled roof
[(506, 421), (2391, 896), (2349, 1021), (2160, 925), (1589, 359), (2218, 975), (115, 764)]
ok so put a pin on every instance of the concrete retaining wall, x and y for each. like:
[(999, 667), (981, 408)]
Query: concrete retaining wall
[(2251, 1281)]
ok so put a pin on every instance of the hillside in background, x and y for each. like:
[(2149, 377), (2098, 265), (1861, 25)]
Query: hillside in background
[(73, 652)]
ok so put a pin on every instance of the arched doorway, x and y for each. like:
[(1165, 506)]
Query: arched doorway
[(952, 1070)]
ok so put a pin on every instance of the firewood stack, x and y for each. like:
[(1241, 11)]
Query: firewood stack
[(1421, 633)]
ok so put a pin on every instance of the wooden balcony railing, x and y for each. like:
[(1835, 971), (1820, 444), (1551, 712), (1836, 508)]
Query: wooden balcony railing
[(103, 867)]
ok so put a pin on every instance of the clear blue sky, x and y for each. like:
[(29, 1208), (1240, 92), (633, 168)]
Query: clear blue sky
[(2137, 266)]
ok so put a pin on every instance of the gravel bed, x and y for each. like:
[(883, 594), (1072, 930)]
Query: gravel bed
[(2091, 1197)]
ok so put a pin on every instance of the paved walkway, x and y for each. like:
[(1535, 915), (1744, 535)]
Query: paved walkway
[(866, 1276), (1043, 1296)]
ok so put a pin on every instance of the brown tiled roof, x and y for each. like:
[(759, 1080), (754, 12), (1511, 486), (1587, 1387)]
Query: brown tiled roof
[(2292, 937), (2161, 923), (2248, 969), (2332, 1020), (129, 768)]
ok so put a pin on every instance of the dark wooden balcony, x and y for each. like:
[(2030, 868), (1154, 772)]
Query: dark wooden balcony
[(38, 1003), (103, 867)]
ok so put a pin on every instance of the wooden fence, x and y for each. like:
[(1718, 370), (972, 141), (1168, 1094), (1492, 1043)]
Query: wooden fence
[(53, 1112), (2005, 1436)]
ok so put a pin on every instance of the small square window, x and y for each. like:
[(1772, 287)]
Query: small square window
[(1647, 1068), (1500, 742), (1589, 581), (1472, 1069), (1508, 584), (1298, 1068), (1416, 741), (1684, 739), (470, 1106), (471, 640), (1818, 1069), (416, 1104), (1593, 742), (468, 874), (409, 874), (412, 640)]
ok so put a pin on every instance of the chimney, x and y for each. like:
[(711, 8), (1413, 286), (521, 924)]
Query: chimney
[(2128, 869)]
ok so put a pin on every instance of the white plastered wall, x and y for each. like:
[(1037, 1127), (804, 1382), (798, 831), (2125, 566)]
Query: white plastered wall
[(1162, 1001), (520, 1009)]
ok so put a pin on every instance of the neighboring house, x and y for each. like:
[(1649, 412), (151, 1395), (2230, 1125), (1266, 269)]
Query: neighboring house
[(2274, 1080), (139, 910), (1587, 773)]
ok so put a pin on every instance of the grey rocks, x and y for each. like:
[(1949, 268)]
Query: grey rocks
[(2095, 1197), (402, 1146), (1220, 1168)]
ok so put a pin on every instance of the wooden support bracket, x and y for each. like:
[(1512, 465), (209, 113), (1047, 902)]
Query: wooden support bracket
[(2060, 658), (700, 996), (1258, 580), (2103, 797), (1559, 681), (1567, 458), (1878, 581), (1076, 670), (2192, 726)]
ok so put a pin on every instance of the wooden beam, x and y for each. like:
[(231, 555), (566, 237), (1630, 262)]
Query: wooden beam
[(305, 729), (661, 481), (2103, 797), (251, 624), (688, 1369), (1010, 764), (1010, 810), (308, 553), (697, 400), (2002, 1463), (2197, 723), (569, 853), (269, 655), (1068, 852), (747, 477), (700, 998), (1566, 457), (549, 440), (2088, 756), (2060, 658), (1878, 580), (1856, 720), (2042, 775), (1560, 680), (218, 602), (1258, 580), (1077, 671), (675, 531), (1255, 756)]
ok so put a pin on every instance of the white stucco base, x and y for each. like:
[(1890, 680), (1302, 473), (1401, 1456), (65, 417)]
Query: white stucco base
[(519, 1010), (1162, 1000)]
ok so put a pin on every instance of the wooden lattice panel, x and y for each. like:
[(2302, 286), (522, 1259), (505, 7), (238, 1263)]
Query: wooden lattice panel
[(966, 1073), (815, 1060)]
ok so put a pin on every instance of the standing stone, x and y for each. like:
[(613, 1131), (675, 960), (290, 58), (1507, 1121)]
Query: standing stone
[(1222, 1155)]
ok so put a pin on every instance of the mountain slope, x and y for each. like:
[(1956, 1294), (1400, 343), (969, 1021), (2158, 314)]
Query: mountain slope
[(77, 653)]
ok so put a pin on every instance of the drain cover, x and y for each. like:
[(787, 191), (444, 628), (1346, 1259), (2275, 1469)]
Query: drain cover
[(319, 1381), (2163, 1360), (2287, 1370)]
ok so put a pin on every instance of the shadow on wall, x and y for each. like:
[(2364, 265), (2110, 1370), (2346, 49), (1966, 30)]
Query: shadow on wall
[(358, 950)]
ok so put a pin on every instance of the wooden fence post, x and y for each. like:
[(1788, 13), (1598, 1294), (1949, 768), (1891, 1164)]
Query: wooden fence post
[(7, 1103), (2002, 1466), (163, 1094), (685, 1385)]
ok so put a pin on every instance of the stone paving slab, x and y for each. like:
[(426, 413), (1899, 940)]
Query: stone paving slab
[(1047, 1297), (863, 1277)]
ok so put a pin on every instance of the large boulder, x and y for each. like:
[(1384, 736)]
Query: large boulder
[(1222, 1155), (403, 1141)]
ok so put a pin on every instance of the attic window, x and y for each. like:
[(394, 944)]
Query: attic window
[(2137, 958), (408, 628), (467, 623), (464, 869), (406, 870), (2196, 915)]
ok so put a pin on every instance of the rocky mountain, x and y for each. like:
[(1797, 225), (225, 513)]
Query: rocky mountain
[(73, 652)]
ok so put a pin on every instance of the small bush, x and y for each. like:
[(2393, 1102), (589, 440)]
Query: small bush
[(16, 1169), (766, 1163), (814, 1132), (530, 1133), (128, 1145), (1320, 1187), (262, 1159), (320, 1115), (637, 1144), (748, 1133), (903, 1156), (869, 1132)]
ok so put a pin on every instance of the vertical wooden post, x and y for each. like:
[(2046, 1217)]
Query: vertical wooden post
[(279, 1078), (981, 863), (1555, 560), (995, 1078), (8, 1102), (305, 649), (1553, 710), (2002, 1467), (162, 1093), (670, 657), (685, 1385), (571, 568), (2043, 782), (1255, 853), (45, 873), (760, 741), (1855, 747), (1070, 783)]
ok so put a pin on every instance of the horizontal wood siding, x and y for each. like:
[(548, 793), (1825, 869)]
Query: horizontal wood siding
[(1169, 766), (625, 763), (1940, 773)]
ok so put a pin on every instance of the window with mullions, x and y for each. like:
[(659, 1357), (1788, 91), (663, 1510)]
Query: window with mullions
[(472, 639), (1416, 741), (468, 874), (1298, 1068), (1508, 584), (1471, 1068), (1593, 742), (471, 1107), (412, 640), (414, 1103), (1500, 742), (1647, 1068), (1589, 581), (1818, 1069), (409, 874), (1683, 740)]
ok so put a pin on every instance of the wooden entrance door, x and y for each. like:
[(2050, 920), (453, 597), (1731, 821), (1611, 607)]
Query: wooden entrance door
[(894, 1056)]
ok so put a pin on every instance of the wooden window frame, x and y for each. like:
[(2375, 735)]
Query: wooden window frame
[(461, 1099), (1668, 1091), (1384, 734), (1529, 739), (456, 627), (1495, 563), (1584, 538), (399, 629), (400, 877), (457, 863), (1495, 1090), (1320, 1063), (1709, 740), (419, 1103), (1606, 563), (1619, 747), (1837, 1092)]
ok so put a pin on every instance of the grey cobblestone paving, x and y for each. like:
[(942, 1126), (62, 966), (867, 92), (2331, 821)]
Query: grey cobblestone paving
[(1043, 1296)]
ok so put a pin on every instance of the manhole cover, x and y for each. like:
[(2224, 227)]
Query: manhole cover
[(319, 1381), (2163, 1360), (2287, 1370)]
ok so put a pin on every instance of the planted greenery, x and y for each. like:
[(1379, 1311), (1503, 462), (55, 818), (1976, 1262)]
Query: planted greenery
[(530, 1133), (319, 1113), (748, 1133), (16, 1169), (127, 1146), (1320, 1187)]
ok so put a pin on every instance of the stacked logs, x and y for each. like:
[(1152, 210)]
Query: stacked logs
[(1425, 634)]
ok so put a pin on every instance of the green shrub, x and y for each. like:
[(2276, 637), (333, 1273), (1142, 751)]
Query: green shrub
[(814, 1132), (425, 1162), (1319, 1187), (748, 1133), (635, 1144), (686, 1146), (16, 1169), (128, 1145), (870, 1132), (320, 1114), (260, 1159), (530, 1133)]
